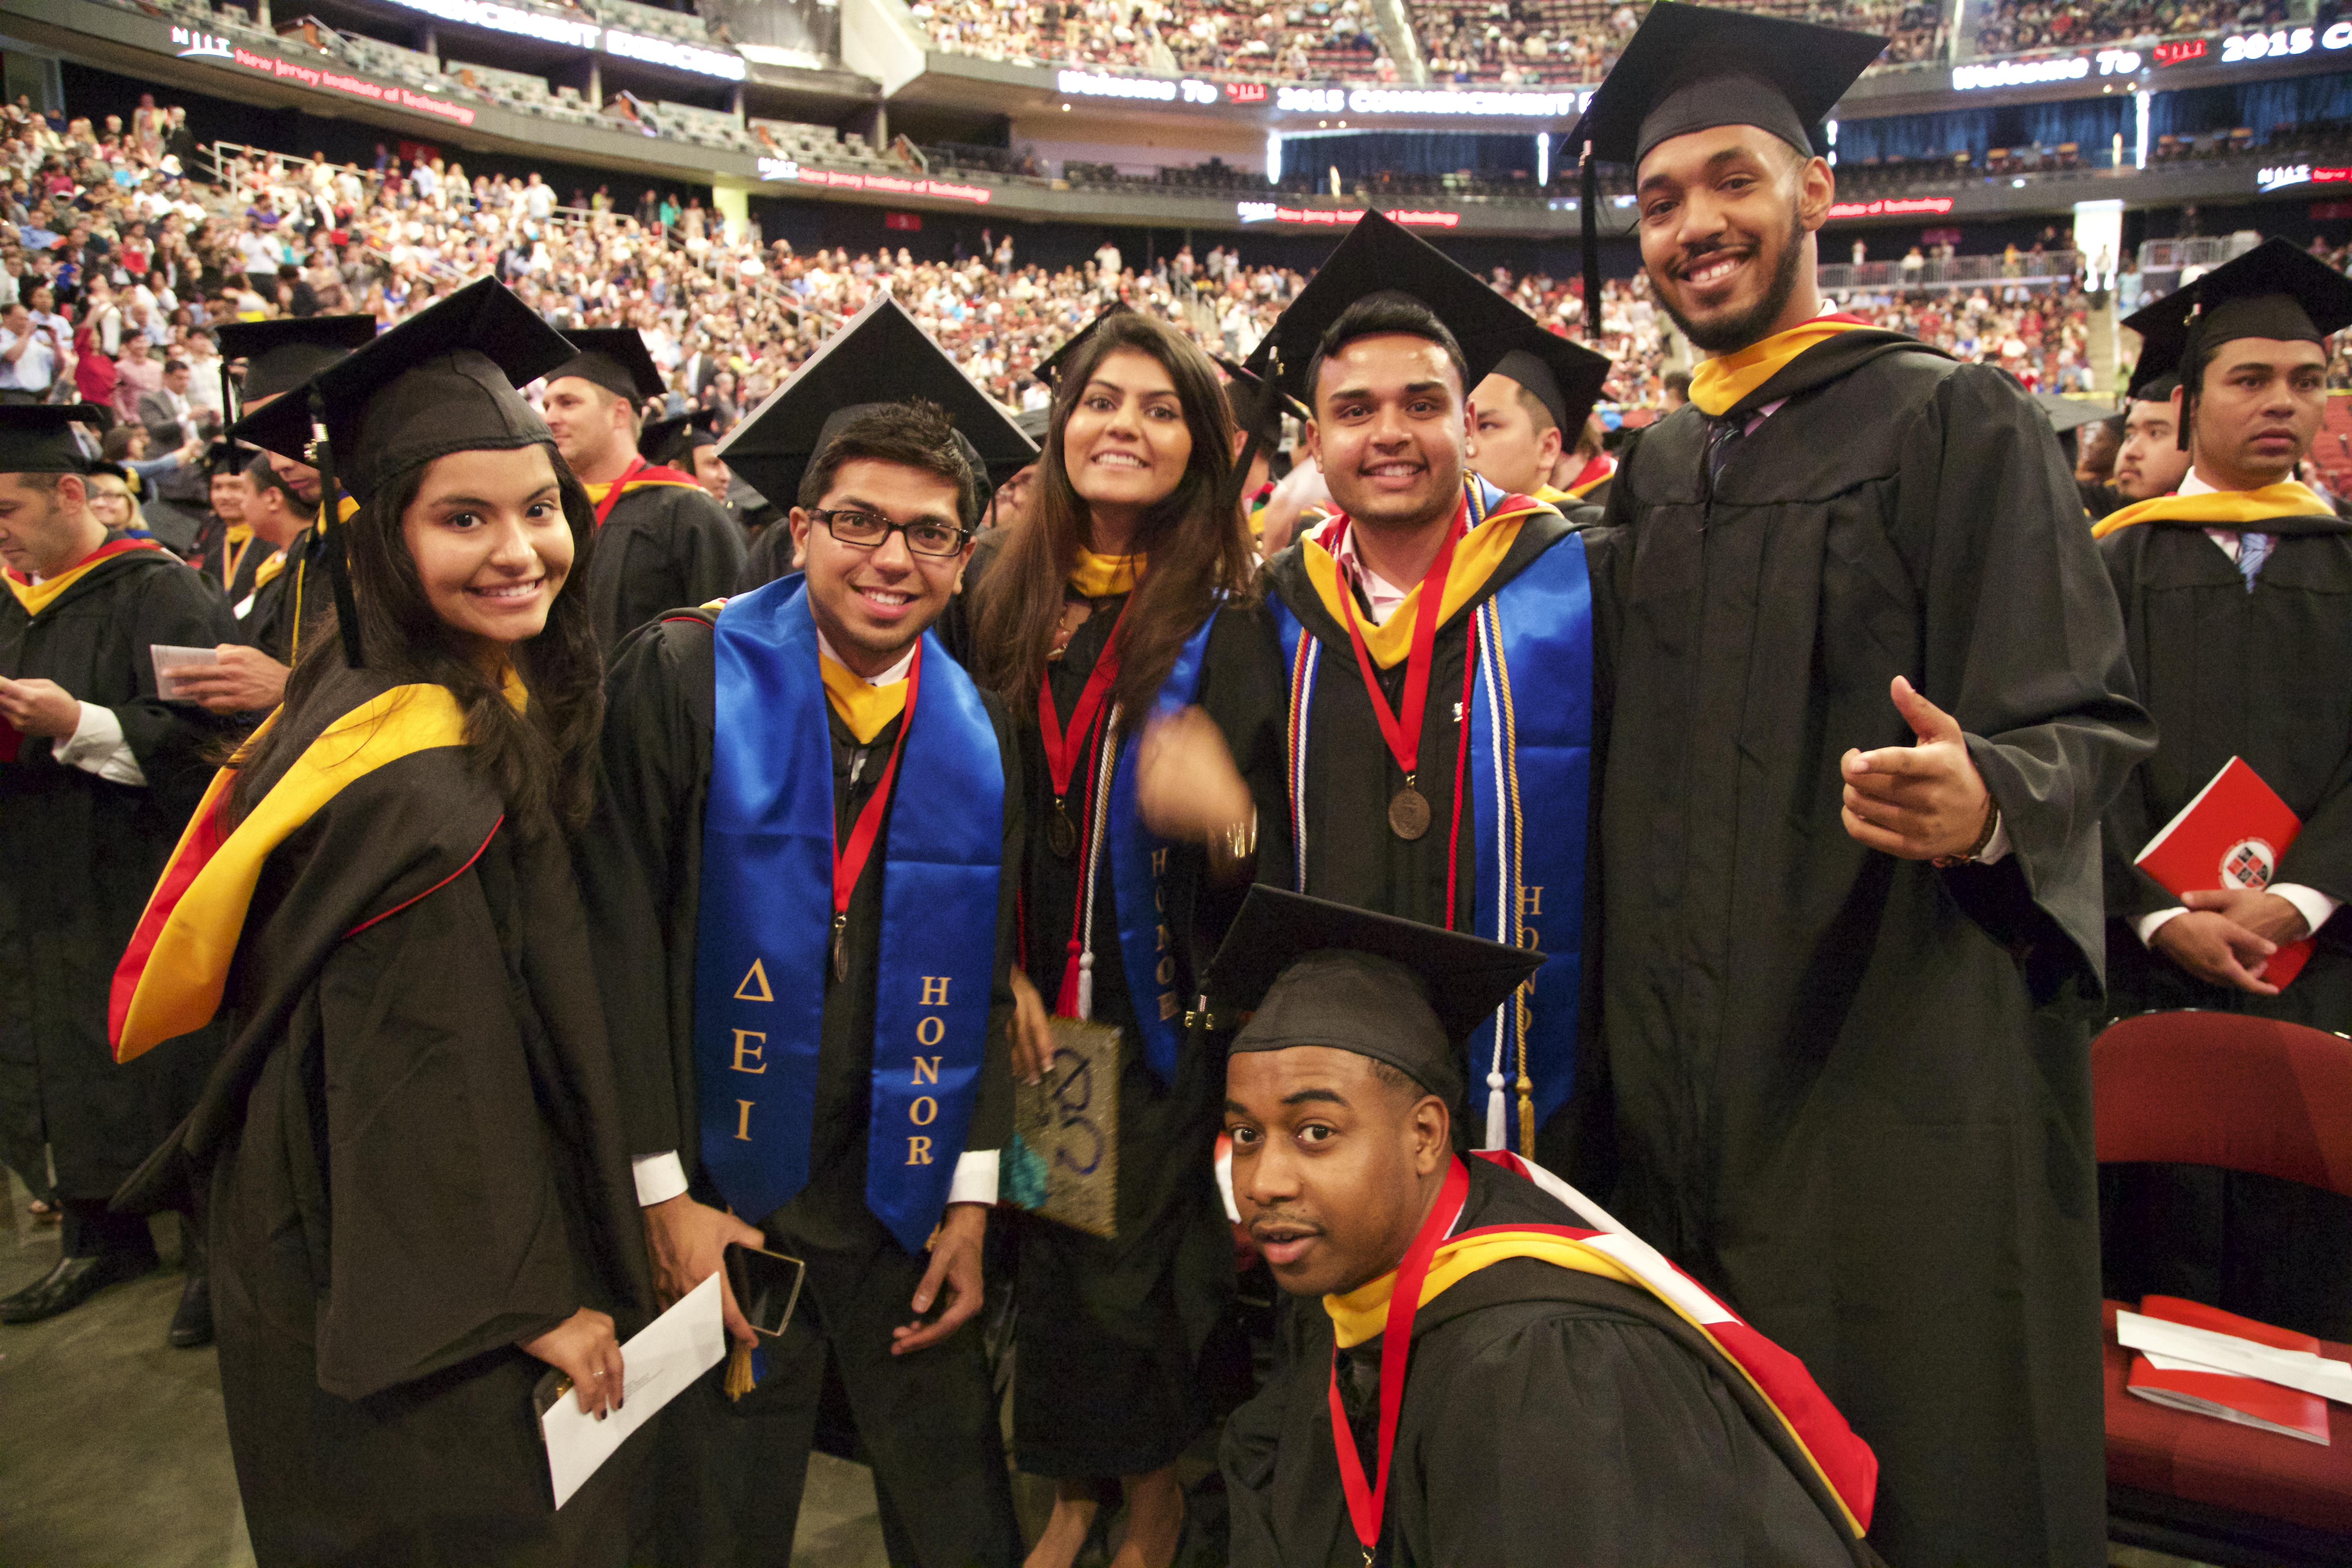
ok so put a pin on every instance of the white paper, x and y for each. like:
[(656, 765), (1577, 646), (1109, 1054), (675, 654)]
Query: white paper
[(657, 1365), (2205, 1350), (169, 658)]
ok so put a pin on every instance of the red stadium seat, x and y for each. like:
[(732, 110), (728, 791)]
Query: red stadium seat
[(2242, 1094)]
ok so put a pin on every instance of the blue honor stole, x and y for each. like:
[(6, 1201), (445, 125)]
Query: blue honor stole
[(1525, 761), (1139, 864), (761, 958)]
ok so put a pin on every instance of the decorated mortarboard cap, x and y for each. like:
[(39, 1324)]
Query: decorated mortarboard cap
[(614, 358), (1050, 366), (1566, 377), (38, 438), (1693, 67), (881, 355), (2274, 290), (673, 441), (1377, 256), (281, 356), (443, 381), (1312, 973)]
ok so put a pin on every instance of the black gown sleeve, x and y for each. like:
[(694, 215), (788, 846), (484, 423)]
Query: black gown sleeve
[(1997, 545), (706, 547), (2321, 855), (637, 864), (172, 740)]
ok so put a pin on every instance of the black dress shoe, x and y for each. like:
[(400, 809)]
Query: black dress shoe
[(73, 1281), (191, 1322)]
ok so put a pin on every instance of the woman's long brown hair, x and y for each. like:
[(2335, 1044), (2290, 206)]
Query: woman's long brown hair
[(541, 761), (1199, 550)]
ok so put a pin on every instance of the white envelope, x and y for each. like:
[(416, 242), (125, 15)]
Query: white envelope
[(657, 1365)]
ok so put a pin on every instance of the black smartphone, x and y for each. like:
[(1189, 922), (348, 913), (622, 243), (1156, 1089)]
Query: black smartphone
[(767, 1286)]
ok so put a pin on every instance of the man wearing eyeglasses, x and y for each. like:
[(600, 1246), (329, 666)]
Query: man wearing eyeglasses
[(796, 880)]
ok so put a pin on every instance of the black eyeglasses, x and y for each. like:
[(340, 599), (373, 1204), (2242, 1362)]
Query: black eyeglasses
[(867, 529)]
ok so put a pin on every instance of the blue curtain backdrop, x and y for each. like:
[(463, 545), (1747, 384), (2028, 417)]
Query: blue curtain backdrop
[(2260, 106), (1359, 154), (2090, 123)]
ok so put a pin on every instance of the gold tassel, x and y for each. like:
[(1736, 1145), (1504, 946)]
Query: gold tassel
[(1526, 1086), (740, 1381)]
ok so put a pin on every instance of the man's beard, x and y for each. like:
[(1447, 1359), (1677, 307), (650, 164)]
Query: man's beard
[(1735, 332)]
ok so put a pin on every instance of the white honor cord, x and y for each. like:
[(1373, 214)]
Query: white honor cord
[(1499, 1107), (1105, 766)]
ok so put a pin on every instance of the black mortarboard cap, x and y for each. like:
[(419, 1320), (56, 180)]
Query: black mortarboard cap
[(1050, 366), (1377, 256), (227, 458), (614, 358), (1693, 68), (35, 437), (2067, 413), (443, 381), (673, 441), (281, 356), (1565, 377), (879, 355), (2274, 290), (1313, 972), (1253, 399)]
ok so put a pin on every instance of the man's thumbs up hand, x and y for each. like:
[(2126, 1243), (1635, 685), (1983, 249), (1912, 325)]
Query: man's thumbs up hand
[(1921, 801)]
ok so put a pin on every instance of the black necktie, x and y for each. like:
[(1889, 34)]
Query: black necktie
[(1724, 434)]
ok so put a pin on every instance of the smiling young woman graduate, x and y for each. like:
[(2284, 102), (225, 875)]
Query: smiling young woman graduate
[(1117, 620), (1481, 1366), (799, 880), (420, 1192)]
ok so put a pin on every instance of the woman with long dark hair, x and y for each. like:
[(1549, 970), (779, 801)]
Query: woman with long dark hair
[(421, 1200), (1117, 618)]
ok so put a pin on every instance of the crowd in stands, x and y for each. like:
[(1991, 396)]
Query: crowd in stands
[(2017, 26), (116, 247)]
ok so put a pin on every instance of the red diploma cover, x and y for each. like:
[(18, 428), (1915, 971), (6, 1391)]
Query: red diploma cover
[(2232, 835), (2248, 1401)]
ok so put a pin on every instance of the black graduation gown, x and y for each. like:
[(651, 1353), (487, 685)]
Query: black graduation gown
[(1848, 1092), (415, 1155), (1111, 1332), (730, 1490), (1548, 1417), (771, 557), (2266, 676), (296, 606), (1352, 856), (662, 547), (79, 855)]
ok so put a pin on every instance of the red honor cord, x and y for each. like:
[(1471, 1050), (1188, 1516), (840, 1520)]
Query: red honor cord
[(1366, 1505), (605, 507), (1402, 730), (849, 864)]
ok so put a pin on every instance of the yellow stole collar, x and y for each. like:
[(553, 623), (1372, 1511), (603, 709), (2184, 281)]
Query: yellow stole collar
[(1363, 1314), (864, 707), (269, 569), (2220, 508), (1720, 383), (38, 597), (1100, 576), (1480, 551)]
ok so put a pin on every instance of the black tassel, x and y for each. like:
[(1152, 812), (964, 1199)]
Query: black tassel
[(1589, 206), (334, 535)]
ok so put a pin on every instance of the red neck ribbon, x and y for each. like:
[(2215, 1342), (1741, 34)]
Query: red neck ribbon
[(1366, 1505), (1063, 750), (605, 507), (849, 864), (1402, 730)]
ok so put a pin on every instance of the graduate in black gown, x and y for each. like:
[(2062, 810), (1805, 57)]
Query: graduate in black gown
[(278, 356), (1438, 649), (661, 541), (802, 878), (420, 1191), (1869, 700), (1117, 621), (97, 772), (273, 576), (1521, 1381), (2235, 594)]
